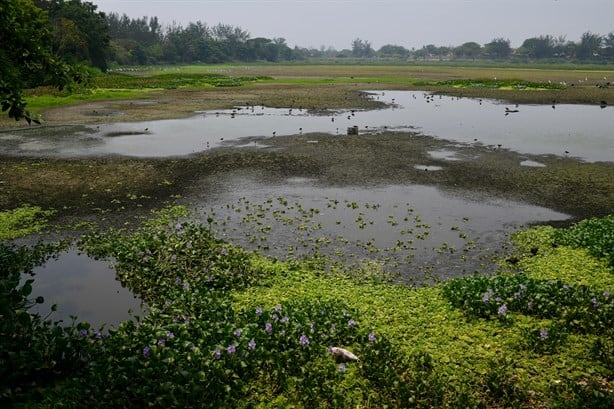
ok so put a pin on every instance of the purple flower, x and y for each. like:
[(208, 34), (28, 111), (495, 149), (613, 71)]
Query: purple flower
[(268, 328), (146, 352), (174, 257), (97, 335), (485, 297), (231, 349), (543, 334), (251, 345), (285, 319), (530, 305), (145, 259), (178, 226), (275, 317), (186, 286), (223, 251), (161, 342), (167, 304), (351, 323), (502, 310), (258, 311), (606, 294), (170, 335), (237, 333), (278, 308), (303, 340), (186, 320), (595, 302), (83, 333), (178, 280), (341, 368), (372, 337), (217, 354)]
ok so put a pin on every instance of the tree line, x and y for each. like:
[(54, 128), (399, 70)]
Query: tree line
[(54, 42)]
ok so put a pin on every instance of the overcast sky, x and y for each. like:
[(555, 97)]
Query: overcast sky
[(410, 23)]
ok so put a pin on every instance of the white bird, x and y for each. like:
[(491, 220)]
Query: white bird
[(342, 355)]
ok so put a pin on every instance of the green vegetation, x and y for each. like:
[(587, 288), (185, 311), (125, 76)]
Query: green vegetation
[(226, 327), (493, 83), (596, 235), (22, 221)]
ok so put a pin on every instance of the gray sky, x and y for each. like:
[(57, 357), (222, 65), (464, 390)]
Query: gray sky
[(410, 23)]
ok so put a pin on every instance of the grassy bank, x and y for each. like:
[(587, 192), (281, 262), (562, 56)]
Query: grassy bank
[(230, 328), (183, 89)]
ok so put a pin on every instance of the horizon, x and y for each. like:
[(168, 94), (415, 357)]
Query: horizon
[(411, 24)]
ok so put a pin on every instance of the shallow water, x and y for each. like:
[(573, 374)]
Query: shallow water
[(84, 287), (576, 130), (402, 226)]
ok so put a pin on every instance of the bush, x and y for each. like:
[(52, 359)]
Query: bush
[(596, 235)]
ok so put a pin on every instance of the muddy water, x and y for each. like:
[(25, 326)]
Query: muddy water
[(577, 130)]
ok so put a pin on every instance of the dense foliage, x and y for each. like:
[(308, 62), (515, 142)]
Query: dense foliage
[(228, 328), (596, 235), (27, 57)]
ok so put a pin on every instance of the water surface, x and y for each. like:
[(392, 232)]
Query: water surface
[(580, 131)]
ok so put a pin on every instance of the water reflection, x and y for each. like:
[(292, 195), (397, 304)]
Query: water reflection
[(83, 287), (577, 130)]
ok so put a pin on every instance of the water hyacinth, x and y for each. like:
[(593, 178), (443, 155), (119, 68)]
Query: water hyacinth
[(251, 345), (303, 340), (237, 333), (217, 354), (372, 337), (351, 323), (543, 334), (231, 349), (258, 311), (341, 368), (146, 352), (268, 327), (502, 310)]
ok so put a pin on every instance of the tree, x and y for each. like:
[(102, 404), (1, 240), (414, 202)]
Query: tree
[(390, 50), (468, 50), (589, 47), (499, 48), (26, 55), (608, 44), (362, 48), (539, 47), (88, 25)]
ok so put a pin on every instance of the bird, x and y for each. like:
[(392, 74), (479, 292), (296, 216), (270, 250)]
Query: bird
[(342, 355)]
